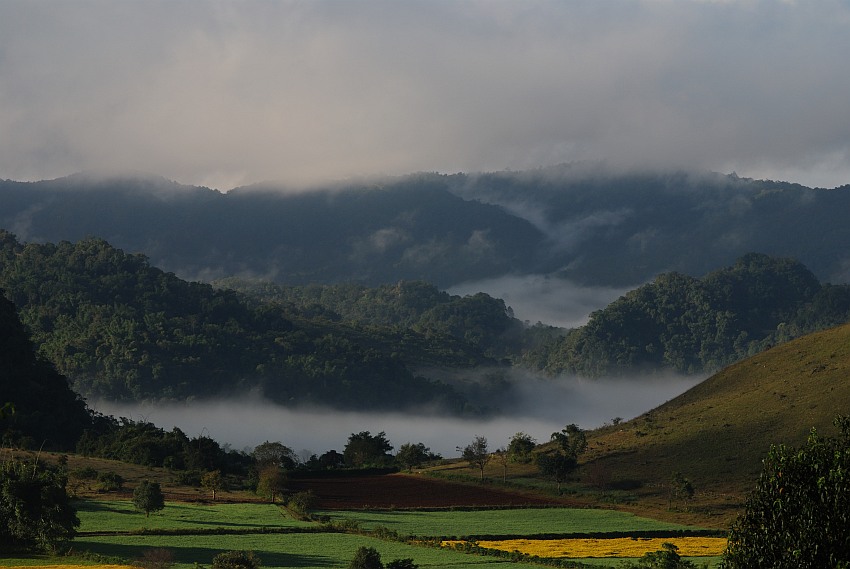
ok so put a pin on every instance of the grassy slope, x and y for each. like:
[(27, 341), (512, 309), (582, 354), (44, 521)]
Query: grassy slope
[(717, 433)]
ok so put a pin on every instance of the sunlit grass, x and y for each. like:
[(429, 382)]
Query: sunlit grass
[(528, 521)]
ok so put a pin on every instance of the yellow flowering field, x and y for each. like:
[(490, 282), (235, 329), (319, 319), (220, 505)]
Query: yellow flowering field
[(611, 547)]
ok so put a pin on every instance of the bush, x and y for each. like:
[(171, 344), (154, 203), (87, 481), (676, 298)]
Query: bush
[(157, 558), (302, 502), (110, 481), (366, 558), (236, 560), (799, 514)]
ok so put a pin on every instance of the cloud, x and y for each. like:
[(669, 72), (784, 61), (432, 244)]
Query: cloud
[(544, 298), (538, 407), (225, 94)]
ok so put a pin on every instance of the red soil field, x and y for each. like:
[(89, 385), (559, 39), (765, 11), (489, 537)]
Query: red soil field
[(409, 491)]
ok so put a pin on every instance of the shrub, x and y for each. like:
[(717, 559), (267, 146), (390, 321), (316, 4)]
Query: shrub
[(110, 481), (236, 560), (366, 558), (157, 558)]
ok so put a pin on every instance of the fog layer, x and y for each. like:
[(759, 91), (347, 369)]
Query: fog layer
[(539, 407)]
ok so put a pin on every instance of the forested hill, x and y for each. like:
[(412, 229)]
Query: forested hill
[(122, 329), (691, 325), (582, 222), (37, 407)]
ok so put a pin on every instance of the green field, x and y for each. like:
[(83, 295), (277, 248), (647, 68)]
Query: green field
[(120, 515), (322, 549), (313, 551), (519, 522)]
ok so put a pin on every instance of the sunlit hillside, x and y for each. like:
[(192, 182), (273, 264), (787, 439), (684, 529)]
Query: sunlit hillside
[(717, 433)]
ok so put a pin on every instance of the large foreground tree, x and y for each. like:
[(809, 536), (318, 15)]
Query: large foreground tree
[(799, 514), (35, 513)]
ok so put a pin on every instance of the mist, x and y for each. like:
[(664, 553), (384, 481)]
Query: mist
[(544, 298), (538, 407)]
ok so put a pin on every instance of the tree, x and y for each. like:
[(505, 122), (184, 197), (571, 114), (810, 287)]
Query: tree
[(571, 439), (521, 447), (236, 560), (412, 455), (366, 558), (558, 465), (213, 482), (364, 449), (680, 489), (476, 454), (799, 513), (275, 453), (35, 512), (148, 497), (502, 457), (272, 481), (666, 558)]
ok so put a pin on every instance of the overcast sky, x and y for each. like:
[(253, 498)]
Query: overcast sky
[(229, 93)]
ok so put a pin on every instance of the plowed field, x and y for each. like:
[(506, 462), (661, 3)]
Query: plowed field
[(410, 491)]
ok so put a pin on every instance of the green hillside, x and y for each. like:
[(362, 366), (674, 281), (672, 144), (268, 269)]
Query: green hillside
[(717, 433)]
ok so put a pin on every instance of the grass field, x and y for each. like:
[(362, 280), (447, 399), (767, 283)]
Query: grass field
[(120, 515), (528, 521), (308, 551)]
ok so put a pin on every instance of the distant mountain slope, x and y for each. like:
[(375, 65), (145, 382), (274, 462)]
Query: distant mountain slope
[(717, 433), (585, 223), (689, 325), (124, 330)]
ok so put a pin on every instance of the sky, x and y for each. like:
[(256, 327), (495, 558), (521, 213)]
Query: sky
[(224, 94)]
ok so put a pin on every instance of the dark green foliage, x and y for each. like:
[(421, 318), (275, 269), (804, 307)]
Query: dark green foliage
[(236, 560), (366, 558), (412, 455), (110, 482), (693, 325), (302, 502), (31, 392), (35, 513), (148, 497), (367, 450), (476, 454), (141, 442), (563, 460), (798, 516), (521, 447), (121, 329), (666, 558), (276, 453)]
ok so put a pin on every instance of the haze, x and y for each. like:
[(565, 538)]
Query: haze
[(227, 93), (538, 407)]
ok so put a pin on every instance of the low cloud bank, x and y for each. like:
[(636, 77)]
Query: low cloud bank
[(538, 407), (544, 298)]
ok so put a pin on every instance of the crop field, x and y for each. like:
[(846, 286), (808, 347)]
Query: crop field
[(412, 491), (504, 522), (309, 551), (120, 515), (617, 547)]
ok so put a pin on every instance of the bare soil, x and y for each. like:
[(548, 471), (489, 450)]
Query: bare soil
[(412, 491)]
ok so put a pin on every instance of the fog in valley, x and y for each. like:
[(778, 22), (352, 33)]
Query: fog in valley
[(544, 298), (538, 407)]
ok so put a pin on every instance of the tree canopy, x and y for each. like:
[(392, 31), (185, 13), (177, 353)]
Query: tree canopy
[(799, 513)]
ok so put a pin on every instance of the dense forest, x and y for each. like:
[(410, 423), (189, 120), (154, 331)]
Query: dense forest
[(121, 329), (585, 223), (692, 325)]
